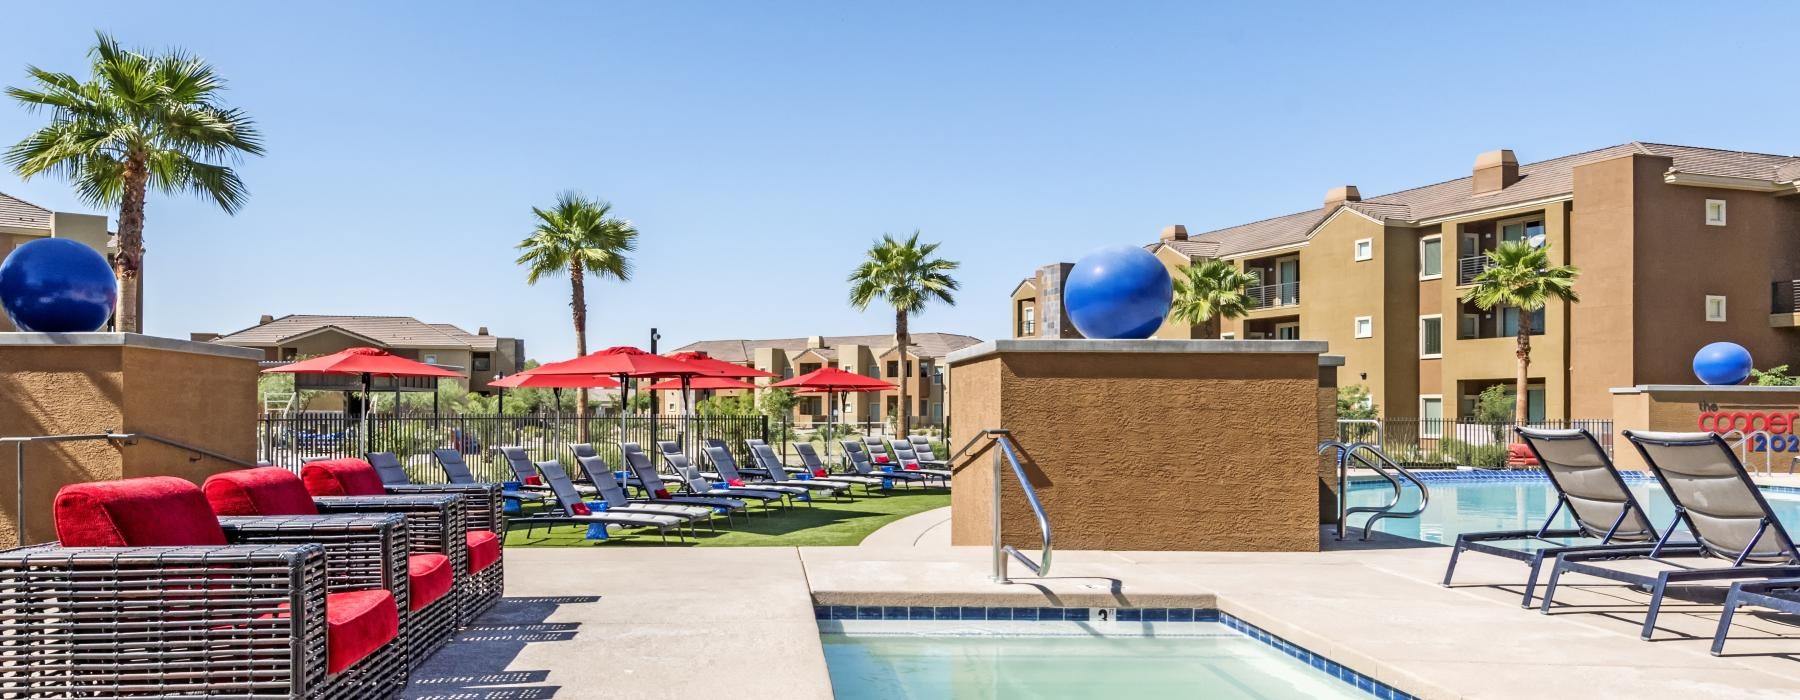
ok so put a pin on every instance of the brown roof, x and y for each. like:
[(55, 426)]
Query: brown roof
[(476, 341), (1190, 247), (1547, 178), (22, 214), (931, 345), (390, 331)]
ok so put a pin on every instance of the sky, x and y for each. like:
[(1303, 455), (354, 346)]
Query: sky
[(761, 148)]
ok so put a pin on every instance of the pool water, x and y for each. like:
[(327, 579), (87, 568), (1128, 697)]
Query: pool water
[(900, 659), (1460, 504)]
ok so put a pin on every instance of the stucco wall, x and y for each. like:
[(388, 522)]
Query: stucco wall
[(1146, 451), (204, 399)]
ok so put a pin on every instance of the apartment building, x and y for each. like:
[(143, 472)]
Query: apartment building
[(1678, 246), (871, 355), (22, 221), (480, 356)]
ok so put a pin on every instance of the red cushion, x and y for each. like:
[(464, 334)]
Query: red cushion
[(580, 508), (341, 477), (662, 494), (735, 482), (819, 473), (881, 459), (912, 467), (430, 576), (152, 511), (356, 624), (260, 491), (484, 550), (534, 481)]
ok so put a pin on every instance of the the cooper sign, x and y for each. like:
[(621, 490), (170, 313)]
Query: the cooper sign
[(1717, 421)]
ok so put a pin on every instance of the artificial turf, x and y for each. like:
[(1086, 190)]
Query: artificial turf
[(826, 523)]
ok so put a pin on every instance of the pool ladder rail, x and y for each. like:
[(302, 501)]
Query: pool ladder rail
[(1006, 454), (1371, 457)]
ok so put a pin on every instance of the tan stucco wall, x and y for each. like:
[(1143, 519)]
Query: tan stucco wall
[(1496, 358), (199, 399), (1146, 451), (1335, 288), (1679, 410)]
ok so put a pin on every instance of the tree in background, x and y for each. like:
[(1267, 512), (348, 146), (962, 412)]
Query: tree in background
[(1354, 402), (1520, 276), (1495, 404), (1773, 376), (140, 120), (1212, 289), (578, 236), (907, 276)]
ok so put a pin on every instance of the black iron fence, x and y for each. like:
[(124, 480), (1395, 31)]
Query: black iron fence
[(1451, 442)]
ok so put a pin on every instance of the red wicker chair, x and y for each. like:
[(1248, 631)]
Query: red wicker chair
[(486, 576), (148, 594), (434, 525)]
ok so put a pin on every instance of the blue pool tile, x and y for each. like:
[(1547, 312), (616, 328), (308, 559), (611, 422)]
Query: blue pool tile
[(999, 614), (1206, 615), (1384, 693), (1181, 614), (921, 613), (843, 612), (1130, 614), (1024, 613), (1156, 614), (868, 612), (949, 613), (974, 613), (1075, 614), (894, 612)]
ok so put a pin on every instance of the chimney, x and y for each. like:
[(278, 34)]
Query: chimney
[(481, 331), (815, 341), (1338, 195), (1495, 171), (1174, 233), (265, 320)]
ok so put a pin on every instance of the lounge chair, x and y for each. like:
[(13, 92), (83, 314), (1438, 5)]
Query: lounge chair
[(1586, 484), (1781, 594), (922, 445), (721, 459), (456, 471), (524, 470), (1720, 505), (695, 484), (652, 483), (861, 466), (574, 511), (910, 461), (766, 456), (617, 500)]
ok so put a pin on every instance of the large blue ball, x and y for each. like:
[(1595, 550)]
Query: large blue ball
[(1118, 292), (1722, 363), (57, 285)]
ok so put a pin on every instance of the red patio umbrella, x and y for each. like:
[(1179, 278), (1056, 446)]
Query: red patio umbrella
[(715, 367), (554, 382), (622, 362), (712, 383), (368, 362), (832, 380)]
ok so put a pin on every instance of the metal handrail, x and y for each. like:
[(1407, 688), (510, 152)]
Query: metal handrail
[(1273, 295), (1347, 452), (1001, 551), (19, 443)]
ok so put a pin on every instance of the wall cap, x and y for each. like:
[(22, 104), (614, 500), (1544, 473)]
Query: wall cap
[(1705, 388), (1154, 345), (128, 340)]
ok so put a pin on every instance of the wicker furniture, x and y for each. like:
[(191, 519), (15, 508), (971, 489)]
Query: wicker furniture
[(148, 594), (486, 522), (434, 524)]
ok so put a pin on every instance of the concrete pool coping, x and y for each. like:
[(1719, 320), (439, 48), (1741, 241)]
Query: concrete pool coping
[(746, 614)]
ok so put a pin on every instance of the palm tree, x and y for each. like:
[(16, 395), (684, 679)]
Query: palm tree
[(578, 236), (1520, 276), (907, 276), (138, 120), (1212, 289)]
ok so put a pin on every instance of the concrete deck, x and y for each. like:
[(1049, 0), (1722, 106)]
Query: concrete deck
[(650, 623)]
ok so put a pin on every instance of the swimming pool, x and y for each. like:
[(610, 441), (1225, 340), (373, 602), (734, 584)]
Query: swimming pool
[(1477, 501), (1002, 654)]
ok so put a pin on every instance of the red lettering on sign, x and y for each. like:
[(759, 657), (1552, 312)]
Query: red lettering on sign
[(1773, 422)]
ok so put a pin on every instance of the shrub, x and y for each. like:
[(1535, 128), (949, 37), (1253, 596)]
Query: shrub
[(1489, 456)]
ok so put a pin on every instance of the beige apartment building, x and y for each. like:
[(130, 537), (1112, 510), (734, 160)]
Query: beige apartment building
[(869, 355), (22, 221), (1678, 247), (480, 356)]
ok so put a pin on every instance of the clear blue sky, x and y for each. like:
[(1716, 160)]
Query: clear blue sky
[(760, 147)]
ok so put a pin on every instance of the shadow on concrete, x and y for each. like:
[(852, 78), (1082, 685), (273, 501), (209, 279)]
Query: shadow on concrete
[(475, 665), (1352, 541)]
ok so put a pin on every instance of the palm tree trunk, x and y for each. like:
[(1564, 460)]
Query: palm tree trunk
[(1519, 403), (128, 259), (901, 340), (578, 306)]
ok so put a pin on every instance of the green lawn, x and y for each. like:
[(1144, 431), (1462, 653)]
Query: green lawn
[(826, 524)]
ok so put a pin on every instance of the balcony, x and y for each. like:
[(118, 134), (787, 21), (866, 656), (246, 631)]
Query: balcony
[(1784, 304), (1271, 296), (1467, 268), (1027, 328)]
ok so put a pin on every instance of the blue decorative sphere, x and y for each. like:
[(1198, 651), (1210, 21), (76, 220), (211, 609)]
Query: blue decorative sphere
[(57, 285), (1722, 363), (1122, 292)]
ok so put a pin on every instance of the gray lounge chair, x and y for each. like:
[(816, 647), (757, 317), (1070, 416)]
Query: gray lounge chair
[(609, 488), (904, 454), (812, 466), (524, 470), (566, 498), (1720, 505), (1781, 594), (652, 483), (696, 483), (456, 471), (861, 466), (1586, 484), (728, 471)]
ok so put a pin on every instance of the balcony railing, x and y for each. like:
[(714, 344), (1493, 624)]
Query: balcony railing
[(1784, 297), (1468, 268), (1274, 295), (1027, 328)]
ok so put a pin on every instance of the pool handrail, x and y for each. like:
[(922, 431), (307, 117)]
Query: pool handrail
[(1002, 438)]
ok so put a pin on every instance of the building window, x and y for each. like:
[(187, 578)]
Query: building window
[(1365, 326), (1715, 212), (1715, 308), (1431, 336), (430, 359), (1431, 258), (1287, 331), (483, 362), (1028, 321), (1431, 416), (893, 368), (1365, 249)]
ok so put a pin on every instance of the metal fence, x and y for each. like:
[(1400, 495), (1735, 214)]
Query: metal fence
[(1449, 442)]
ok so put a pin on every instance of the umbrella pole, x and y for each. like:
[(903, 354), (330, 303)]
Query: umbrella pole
[(364, 431), (687, 415)]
